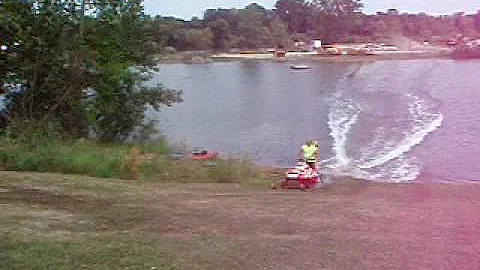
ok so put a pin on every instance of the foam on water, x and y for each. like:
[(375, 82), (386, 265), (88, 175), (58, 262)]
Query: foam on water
[(424, 123), (405, 145), (405, 171), (341, 117), (385, 158)]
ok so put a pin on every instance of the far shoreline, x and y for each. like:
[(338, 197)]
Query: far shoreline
[(206, 58)]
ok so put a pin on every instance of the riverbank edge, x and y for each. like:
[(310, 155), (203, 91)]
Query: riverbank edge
[(205, 58)]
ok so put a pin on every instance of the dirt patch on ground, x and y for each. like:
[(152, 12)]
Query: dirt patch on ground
[(346, 225), (49, 199), (362, 227), (44, 209)]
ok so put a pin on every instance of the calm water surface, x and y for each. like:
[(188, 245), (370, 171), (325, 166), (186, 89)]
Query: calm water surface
[(385, 120)]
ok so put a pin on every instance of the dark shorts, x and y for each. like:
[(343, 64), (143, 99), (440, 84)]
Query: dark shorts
[(311, 164)]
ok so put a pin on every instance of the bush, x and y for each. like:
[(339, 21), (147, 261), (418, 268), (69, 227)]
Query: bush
[(33, 133), (45, 151)]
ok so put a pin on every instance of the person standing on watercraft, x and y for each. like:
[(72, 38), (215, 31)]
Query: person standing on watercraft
[(310, 153)]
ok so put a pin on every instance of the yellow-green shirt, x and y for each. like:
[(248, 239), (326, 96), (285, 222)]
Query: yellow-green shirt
[(309, 152)]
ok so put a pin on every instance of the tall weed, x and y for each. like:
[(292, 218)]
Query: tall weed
[(47, 151)]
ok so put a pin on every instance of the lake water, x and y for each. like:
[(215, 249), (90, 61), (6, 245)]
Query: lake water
[(395, 120)]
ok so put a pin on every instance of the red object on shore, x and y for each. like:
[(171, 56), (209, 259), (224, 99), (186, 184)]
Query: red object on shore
[(203, 154), (279, 53), (301, 177)]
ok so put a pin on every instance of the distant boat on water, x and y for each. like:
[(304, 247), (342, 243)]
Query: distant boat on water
[(300, 67)]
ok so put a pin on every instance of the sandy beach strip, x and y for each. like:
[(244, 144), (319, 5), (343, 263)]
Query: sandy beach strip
[(377, 55)]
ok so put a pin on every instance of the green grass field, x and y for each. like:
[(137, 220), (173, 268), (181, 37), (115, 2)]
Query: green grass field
[(57, 221)]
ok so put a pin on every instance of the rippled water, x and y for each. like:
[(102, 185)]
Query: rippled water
[(385, 120)]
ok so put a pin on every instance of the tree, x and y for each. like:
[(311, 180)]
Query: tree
[(460, 22), (337, 7), (477, 21), (221, 34), (253, 26), (50, 72), (199, 39), (12, 15), (230, 15), (295, 13), (163, 29), (107, 52), (333, 18), (193, 39), (279, 31)]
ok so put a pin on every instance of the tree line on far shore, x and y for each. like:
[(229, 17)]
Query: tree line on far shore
[(331, 21)]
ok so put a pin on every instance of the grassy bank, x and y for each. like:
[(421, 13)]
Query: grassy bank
[(55, 221), (143, 162)]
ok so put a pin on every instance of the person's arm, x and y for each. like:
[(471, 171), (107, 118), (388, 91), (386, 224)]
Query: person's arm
[(300, 154), (317, 155)]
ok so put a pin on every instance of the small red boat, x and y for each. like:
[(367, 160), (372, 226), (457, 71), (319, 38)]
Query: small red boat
[(202, 154), (301, 177)]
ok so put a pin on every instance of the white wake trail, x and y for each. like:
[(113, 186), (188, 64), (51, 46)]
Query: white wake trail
[(424, 124), (341, 118)]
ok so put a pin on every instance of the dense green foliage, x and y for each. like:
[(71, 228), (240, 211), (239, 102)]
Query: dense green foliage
[(328, 20), (120, 161), (42, 147), (81, 65)]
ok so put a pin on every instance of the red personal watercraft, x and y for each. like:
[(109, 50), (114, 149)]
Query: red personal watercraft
[(301, 176)]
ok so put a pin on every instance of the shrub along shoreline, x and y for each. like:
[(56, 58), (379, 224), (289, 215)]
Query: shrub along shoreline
[(150, 162)]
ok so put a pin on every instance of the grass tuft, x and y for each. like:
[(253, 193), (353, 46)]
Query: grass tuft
[(112, 253), (124, 161), (35, 146)]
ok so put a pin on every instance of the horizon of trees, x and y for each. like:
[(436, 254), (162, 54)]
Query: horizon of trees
[(328, 20)]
